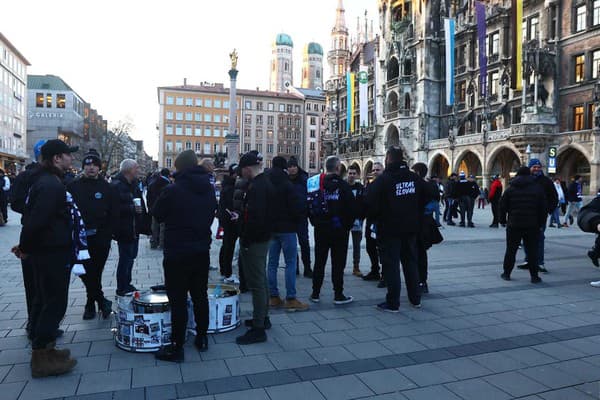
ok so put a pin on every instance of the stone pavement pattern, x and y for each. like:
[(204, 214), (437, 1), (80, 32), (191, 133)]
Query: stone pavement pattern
[(476, 337)]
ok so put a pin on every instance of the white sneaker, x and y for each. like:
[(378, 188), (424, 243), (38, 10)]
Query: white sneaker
[(233, 279), (595, 284)]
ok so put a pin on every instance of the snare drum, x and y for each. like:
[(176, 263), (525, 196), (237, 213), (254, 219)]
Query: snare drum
[(223, 310), (143, 323)]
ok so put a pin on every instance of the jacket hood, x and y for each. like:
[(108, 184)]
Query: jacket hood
[(522, 181), (301, 176), (331, 181), (195, 179), (278, 176), (397, 167)]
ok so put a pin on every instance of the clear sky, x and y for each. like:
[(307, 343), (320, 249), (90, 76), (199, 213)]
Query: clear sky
[(115, 53)]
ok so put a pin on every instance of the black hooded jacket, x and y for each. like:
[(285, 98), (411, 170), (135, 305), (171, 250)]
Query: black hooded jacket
[(187, 208), (547, 187), (20, 187), (226, 201), (130, 223), (299, 183), (341, 205), (287, 207), (396, 201), (256, 203), (525, 204)]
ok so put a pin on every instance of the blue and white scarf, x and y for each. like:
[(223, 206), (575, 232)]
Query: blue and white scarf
[(80, 246)]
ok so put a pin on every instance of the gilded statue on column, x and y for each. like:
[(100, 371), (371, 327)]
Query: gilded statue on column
[(234, 58)]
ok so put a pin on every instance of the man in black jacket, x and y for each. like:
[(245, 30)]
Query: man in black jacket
[(332, 229), (99, 208), (47, 237), (230, 227), (132, 212), (466, 192), (397, 202), (154, 189), (547, 187), (256, 227), (371, 235), (525, 204), (451, 199), (298, 178), (356, 232), (187, 210), (285, 213)]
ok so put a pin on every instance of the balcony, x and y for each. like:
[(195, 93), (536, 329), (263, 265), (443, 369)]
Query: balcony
[(407, 79), (392, 83), (392, 115)]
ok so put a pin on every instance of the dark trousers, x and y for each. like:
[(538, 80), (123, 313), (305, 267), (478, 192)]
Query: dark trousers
[(466, 208), (254, 259), (481, 203), (183, 274), (98, 247), (337, 242), (394, 251), (158, 234), (51, 272), (372, 250), (530, 239), (495, 212), (422, 261), (230, 236), (29, 285), (356, 239), (302, 233), (596, 248), (4, 203), (127, 254)]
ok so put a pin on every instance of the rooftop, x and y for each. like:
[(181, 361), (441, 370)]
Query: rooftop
[(218, 88), (283, 39), (13, 49), (48, 82)]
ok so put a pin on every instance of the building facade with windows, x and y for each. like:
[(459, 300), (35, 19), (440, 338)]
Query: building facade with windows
[(13, 106), (315, 125)]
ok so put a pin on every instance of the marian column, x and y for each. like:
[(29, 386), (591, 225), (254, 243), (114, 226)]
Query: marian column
[(232, 140)]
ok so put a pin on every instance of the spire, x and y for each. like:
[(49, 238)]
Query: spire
[(340, 18)]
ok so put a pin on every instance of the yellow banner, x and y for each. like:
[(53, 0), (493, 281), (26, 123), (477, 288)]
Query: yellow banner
[(519, 43)]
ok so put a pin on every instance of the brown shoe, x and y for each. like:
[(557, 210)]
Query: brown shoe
[(46, 363), (295, 305), (61, 354), (356, 271), (275, 302)]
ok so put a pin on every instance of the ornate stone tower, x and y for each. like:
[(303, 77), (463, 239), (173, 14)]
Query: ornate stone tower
[(339, 54), (312, 66), (282, 67)]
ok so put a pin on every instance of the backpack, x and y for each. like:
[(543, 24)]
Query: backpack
[(317, 205)]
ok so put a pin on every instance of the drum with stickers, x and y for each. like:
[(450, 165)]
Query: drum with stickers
[(143, 321), (223, 309)]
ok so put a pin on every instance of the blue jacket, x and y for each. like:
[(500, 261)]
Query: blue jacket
[(187, 208)]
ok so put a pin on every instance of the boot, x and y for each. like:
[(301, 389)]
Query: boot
[(252, 335), (61, 354), (45, 362), (356, 271), (105, 307), (201, 342), (90, 310)]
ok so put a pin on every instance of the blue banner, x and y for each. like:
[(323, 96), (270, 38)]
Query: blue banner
[(481, 35)]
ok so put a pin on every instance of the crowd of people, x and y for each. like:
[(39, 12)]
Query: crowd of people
[(261, 214)]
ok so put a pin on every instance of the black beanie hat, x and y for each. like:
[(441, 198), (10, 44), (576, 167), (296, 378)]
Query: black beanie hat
[(91, 157), (279, 162), (293, 162), (186, 159)]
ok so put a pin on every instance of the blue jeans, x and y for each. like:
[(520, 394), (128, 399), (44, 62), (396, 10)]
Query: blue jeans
[(128, 251), (555, 217), (287, 243), (433, 207)]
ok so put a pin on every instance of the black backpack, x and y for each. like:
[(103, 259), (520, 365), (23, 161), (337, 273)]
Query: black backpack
[(317, 205)]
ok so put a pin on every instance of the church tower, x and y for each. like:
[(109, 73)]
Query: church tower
[(340, 47), (312, 66), (282, 66)]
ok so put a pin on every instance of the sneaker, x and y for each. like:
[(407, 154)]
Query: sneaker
[(275, 302), (594, 257), (371, 276), (387, 308), (381, 284), (314, 298), (523, 266), (595, 284), (294, 305), (343, 300), (249, 323), (252, 335), (505, 276), (231, 280), (424, 288), (542, 269), (536, 279), (122, 293), (170, 353), (418, 305)]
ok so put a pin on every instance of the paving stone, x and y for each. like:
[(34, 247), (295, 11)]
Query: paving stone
[(15, 356), (92, 364), (303, 328), (204, 370), (385, 381), (294, 391), (515, 384), (559, 351), (293, 343), (367, 350), (551, 377), (332, 338), (48, 388), (465, 350), (366, 334), (435, 340), (291, 359), (529, 357), (476, 389), (104, 381), (252, 394), (566, 393), (164, 392), (225, 385), (159, 375), (426, 374), (463, 368), (591, 389), (316, 372), (328, 355), (249, 365), (356, 366), (402, 345), (342, 388), (429, 393), (11, 391), (430, 355), (189, 389), (497, 362), (222, 351), (329, 325), (272, 378), (396, 360), (580, 369)]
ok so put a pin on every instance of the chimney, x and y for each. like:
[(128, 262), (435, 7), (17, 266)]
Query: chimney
[(184, 81)]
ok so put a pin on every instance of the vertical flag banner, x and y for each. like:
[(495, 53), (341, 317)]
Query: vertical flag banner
[(363, 100), (481, 34), (517, 45), (350, 102), (449, 28)]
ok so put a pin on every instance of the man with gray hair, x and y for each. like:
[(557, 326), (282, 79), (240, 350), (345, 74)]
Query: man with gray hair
[(132, 212), (332, 213)]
